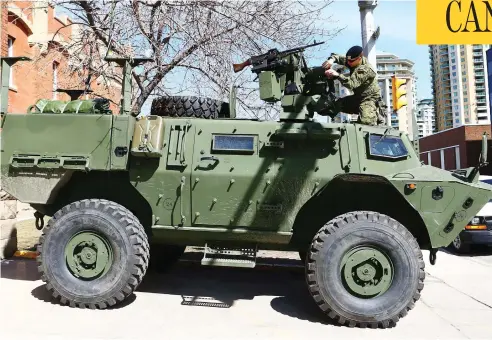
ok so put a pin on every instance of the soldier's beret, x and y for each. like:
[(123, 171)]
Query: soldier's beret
[(354, 52)]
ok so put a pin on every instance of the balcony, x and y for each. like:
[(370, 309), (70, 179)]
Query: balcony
[(478, 67), (482, 114), (480, 81), (480, 87), (480, 94)]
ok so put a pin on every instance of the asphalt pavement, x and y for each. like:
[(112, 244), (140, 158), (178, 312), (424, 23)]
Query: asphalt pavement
[(268, 302)]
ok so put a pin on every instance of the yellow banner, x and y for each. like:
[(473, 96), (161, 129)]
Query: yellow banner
[(450, 22)]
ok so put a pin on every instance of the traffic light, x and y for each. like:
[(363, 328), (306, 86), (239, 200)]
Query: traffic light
[(399, 92)]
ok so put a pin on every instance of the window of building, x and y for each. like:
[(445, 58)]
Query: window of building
[(453, 54), (465, 100), (10, 53), (454, 74), (455, 94), (456, 100), (453, 61), (453, 67)]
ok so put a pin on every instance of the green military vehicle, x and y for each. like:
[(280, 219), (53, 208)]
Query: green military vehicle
[(123, 190)]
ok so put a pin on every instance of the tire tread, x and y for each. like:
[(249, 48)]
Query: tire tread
[(136, 234), (330, 229)]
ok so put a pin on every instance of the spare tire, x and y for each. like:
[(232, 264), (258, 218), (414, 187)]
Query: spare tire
[(189, 106)]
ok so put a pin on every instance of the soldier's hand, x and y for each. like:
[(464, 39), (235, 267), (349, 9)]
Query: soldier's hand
[(331, 74), (327, 64)]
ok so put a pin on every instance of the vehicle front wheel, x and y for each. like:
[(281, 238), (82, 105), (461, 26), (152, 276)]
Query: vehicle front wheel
[(93, 254), (365, 269)]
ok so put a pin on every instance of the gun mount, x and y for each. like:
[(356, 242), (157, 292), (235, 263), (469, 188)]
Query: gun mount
[(285, 77)]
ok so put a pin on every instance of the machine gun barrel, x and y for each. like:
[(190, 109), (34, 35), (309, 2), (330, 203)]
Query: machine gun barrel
[(270, 56)]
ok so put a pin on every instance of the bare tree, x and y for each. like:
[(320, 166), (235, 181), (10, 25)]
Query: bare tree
[(193, 43)]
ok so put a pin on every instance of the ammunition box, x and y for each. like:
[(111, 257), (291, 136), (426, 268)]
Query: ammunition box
[(269, 87)]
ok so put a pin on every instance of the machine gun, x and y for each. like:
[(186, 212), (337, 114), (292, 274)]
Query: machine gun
[(285, 76), (271, 60)]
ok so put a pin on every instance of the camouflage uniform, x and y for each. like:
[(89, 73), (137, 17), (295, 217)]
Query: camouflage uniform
[(366, 99)]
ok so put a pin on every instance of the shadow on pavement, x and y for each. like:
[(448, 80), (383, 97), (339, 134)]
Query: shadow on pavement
[(221, 287), (209, 287), (42, 293)]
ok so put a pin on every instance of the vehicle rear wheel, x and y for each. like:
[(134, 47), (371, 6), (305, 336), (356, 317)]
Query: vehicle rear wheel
[(365, 269), (93, 254), (189, 106)]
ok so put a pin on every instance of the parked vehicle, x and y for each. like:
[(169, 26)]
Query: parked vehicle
[(353, 200), (479, 230)]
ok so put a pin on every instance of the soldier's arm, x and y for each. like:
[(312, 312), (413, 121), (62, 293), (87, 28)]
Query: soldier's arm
[(362, 75), (338, 59)]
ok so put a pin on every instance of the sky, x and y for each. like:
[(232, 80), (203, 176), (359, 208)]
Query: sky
[(397, 21)]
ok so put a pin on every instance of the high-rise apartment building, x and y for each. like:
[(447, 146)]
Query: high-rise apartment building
[(460, 85), (489, 71), (425, 117), (389, 65)]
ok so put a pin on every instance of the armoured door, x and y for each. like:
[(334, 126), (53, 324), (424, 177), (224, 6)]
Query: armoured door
[(233, 168)]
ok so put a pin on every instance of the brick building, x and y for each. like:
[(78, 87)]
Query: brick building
[(3, 28), (35, 30), (456, 148)]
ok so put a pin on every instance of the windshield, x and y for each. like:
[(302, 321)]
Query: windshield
[(387, 146)]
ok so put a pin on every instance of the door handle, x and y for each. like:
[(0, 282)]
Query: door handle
[(209, 158)]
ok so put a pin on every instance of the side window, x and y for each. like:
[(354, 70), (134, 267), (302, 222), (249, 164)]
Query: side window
[(386, 146)]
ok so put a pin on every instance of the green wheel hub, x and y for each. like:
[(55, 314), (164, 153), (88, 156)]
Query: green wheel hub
[(88, 255), (367, 272)]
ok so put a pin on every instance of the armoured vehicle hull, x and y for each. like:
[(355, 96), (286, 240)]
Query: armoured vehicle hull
[(353, 200)]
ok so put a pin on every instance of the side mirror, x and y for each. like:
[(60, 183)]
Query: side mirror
[(483, 154)]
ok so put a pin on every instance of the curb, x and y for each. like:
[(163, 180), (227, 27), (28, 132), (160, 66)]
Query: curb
[(26, 254)]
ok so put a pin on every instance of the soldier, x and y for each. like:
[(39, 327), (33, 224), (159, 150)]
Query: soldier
[(366, 100)]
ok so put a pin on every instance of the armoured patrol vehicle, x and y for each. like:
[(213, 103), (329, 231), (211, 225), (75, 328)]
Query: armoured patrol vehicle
[(122, 190)]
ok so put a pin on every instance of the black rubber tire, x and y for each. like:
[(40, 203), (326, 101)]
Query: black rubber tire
[(126, 237), (323, 269), (164, 256), (461, 248), (189, 106)]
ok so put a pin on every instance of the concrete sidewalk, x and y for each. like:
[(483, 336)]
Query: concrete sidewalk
[(271, 303)]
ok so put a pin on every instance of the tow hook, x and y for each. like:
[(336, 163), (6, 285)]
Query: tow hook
[(39, 220), (432, 256)]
